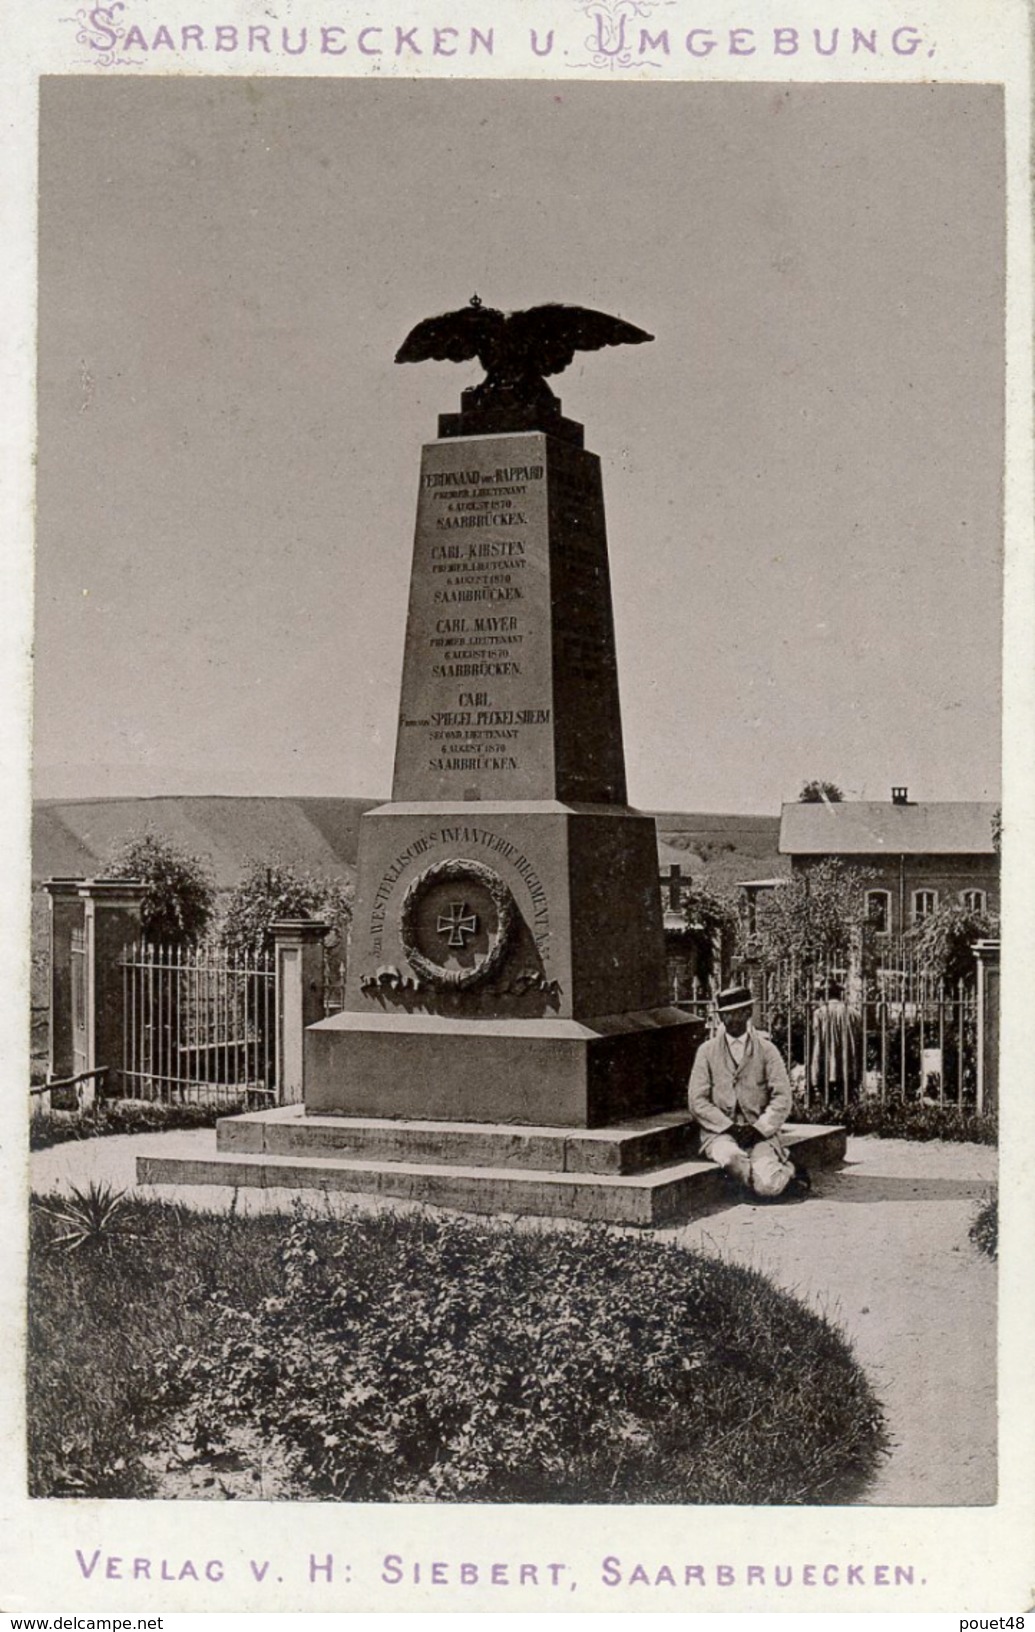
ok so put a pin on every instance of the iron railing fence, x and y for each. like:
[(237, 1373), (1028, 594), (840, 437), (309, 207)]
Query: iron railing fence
[(199, 1025), (880, 1024), (696, 997), (891, 1033)]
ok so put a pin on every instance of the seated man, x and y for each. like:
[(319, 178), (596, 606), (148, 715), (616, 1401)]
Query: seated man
[(741, 1096)]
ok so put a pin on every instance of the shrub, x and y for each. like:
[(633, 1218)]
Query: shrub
[(984, 1232), (275, 890), (179, 894), (440, 1359), (713, 922), (904, 1119), (814, 914), (125, 1116), (944, 940)]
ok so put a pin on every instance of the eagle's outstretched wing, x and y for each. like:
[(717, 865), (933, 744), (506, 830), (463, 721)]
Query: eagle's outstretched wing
[(549, 336), (453, 337)]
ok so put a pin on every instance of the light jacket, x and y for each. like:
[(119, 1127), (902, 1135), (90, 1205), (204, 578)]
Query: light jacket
[(760, 1085)]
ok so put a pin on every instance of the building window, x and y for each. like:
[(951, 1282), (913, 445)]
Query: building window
[(974, 900), (878, 911), (924, 903)]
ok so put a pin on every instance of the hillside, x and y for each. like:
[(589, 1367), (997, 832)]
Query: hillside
[(73, 838), (722, 849)]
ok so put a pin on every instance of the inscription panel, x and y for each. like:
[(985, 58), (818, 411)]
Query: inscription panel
[(461, 916), (446, 839), (476, 717)]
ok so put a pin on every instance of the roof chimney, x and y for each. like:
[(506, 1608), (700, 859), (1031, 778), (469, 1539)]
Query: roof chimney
[(900, 796)]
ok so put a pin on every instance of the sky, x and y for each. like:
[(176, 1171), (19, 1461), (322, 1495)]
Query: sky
[(802, 473)]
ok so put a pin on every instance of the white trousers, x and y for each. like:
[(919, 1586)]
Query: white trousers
[(764, 1168)]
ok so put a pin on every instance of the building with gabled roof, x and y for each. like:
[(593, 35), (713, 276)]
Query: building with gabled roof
[(922, 853)]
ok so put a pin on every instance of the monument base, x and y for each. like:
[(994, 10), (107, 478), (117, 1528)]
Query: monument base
[(643, 1172), (507, 413), (549, 1071)]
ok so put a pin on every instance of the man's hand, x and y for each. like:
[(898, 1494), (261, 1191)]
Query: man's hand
[(747, 1137)]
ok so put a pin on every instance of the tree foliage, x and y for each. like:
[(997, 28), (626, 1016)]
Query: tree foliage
[(179, 894), (813, 915), (713, 923), (944, 940), (273, 890), (820, 793)]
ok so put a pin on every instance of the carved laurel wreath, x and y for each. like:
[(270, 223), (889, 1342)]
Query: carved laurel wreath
[(470, 872)]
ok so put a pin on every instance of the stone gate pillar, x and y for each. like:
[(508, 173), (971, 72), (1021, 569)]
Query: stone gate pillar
[(987, 954), (66, 914), (111, 920), (298, 946)]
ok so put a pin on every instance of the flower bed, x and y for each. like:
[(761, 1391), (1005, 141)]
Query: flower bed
[(423, 1358)]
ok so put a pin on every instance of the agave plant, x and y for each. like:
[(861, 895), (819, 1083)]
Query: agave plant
[(86, 1216)]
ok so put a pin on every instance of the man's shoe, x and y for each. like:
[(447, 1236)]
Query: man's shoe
[(734, 1185), (801, 1184)]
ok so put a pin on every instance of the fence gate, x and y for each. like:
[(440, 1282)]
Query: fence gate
[(199, 1026)]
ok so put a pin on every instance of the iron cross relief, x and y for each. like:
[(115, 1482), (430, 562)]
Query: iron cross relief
[(456, 923)]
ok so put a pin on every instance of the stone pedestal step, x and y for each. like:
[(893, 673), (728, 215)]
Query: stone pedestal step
[(631, 1147), (666, 1195)]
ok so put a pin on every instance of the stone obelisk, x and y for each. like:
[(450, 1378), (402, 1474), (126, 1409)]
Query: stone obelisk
[(507, 958)]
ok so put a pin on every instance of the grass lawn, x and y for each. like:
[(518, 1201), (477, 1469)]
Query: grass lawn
[(425, 1357)]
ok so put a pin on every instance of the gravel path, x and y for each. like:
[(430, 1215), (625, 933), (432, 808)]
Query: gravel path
[(880, 1246)]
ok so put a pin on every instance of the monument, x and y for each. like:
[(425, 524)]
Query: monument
[(507, 960), (506, 1044)]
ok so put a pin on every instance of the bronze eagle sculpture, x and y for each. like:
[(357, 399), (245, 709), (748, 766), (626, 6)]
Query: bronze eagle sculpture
[(516, 349)]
